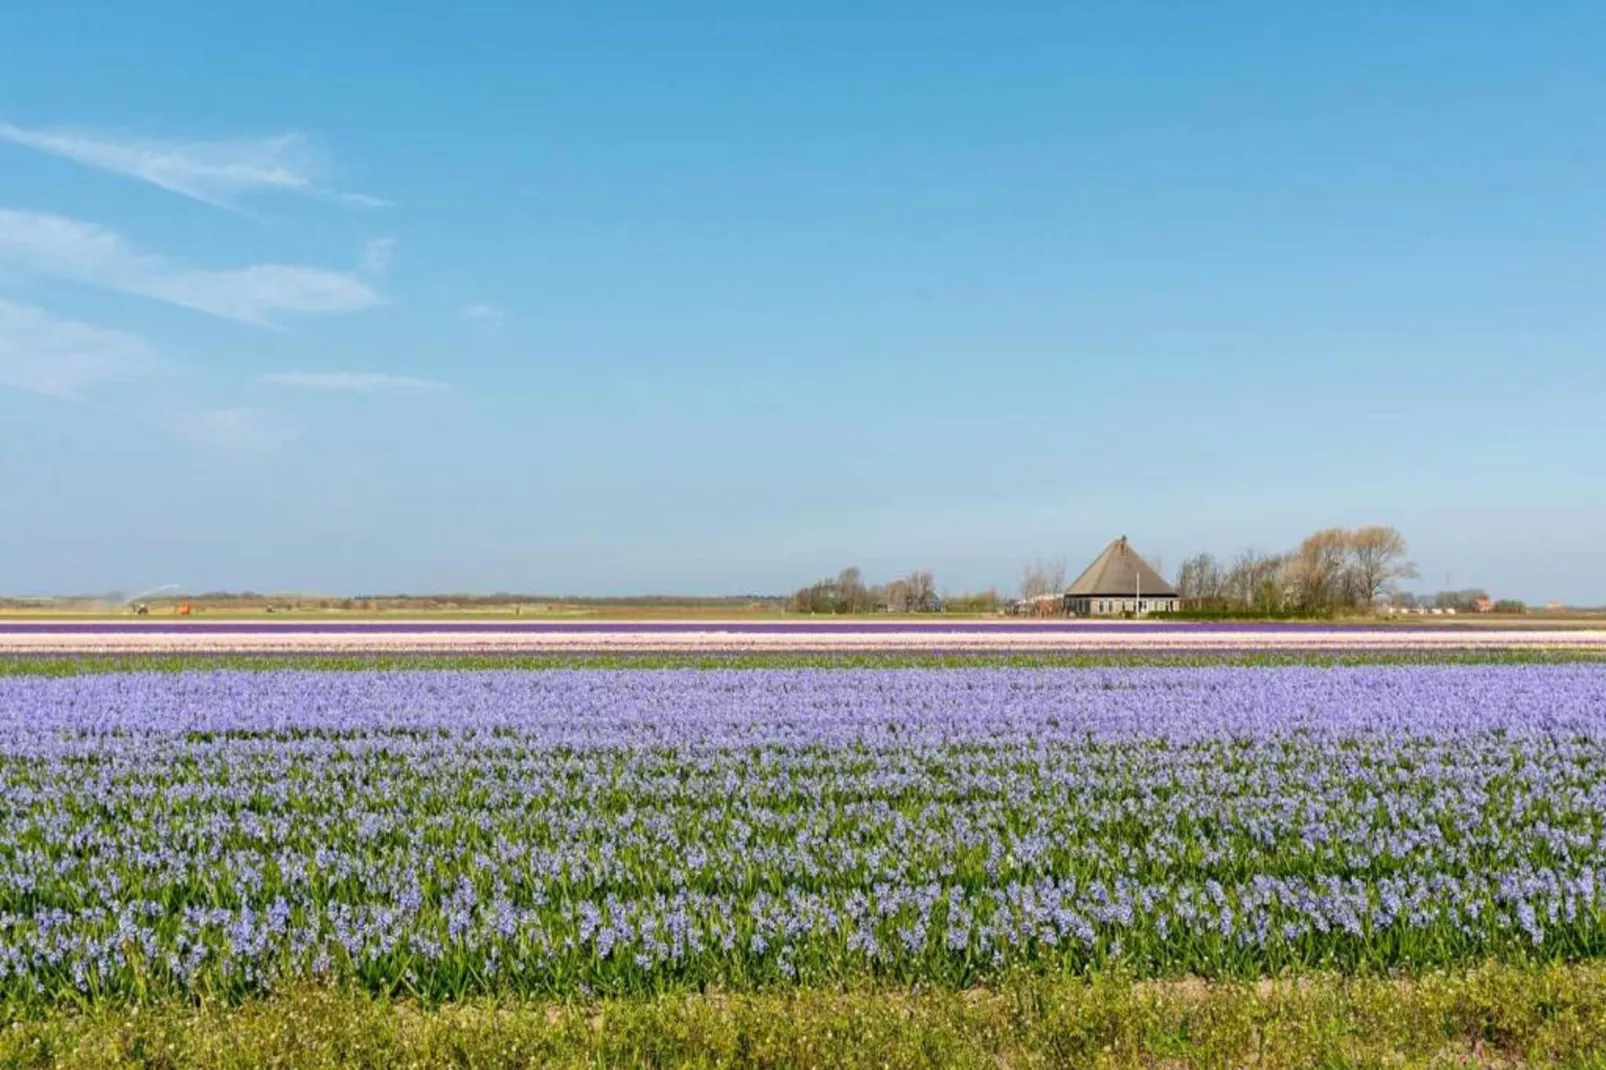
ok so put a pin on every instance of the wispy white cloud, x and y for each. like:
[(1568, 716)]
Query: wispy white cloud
[(356, 382), (215, 172), (377, 255), (60, 358), (238, 430), (65, 248), (483, 314), (65, 359)]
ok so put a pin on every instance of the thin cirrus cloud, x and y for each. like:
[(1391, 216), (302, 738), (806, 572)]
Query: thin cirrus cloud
[(353, 382), (78, 362), (487, 316), (234, 430), (51, 245), (218, 173), (45, 354), (377, 255)]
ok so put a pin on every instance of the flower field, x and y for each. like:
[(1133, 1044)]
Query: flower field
[(448, 834), (830, 634)]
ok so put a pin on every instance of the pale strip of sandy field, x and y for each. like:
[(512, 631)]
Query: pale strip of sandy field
[(288, 640)]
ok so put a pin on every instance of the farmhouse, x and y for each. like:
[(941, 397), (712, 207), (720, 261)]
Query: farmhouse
[(1119, 581)]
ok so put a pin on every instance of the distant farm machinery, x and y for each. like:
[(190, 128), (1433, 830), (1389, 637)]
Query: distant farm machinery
[(141, 607)]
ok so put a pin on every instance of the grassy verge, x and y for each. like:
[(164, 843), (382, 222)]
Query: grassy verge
[(78, 665), (1493, 1016)]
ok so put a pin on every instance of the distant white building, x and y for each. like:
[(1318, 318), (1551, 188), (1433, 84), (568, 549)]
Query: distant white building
[(1117, 582)]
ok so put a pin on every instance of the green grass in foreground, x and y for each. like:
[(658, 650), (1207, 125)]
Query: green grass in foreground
[(1493, 1016), (78, 665)]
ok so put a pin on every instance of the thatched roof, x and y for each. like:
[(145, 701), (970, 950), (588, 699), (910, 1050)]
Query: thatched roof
[(1120, 573)]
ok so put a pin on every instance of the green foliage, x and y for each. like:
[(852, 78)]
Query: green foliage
[(973, 602), (1552, 1015)]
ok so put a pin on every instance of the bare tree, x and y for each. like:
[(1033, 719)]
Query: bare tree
[(1377, 559), (853, 595), (1237, 587), (1317, 569), (1331, 568), (922, 590), (1042, 577), (1201, 581), (848, 593), (1255, 580)]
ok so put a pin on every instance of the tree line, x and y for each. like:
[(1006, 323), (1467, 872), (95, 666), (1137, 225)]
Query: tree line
[(916, 592), (848, 593), (1464, 600), (1042, 577), (1333, 569)]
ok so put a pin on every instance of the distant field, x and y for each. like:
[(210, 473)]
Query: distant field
[(538, 612), (563, 611), (347, 636), (80, 665)]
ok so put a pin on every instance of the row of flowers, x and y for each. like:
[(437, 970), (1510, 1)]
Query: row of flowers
[(552, 832)]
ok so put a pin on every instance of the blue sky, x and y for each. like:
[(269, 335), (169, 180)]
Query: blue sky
[(720, 298)]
